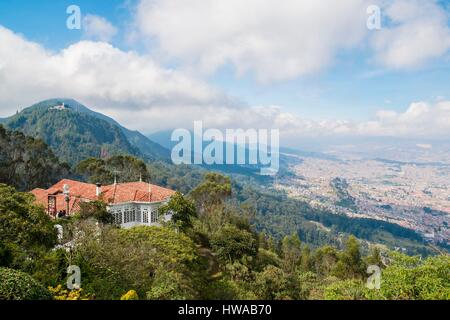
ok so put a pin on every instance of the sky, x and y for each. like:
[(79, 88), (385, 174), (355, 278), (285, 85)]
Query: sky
[(309, 68)]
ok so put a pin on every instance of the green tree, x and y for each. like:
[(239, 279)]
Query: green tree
[(412, 278), (350, 263), (170, 285), (114, 260), (96, 210), (17, 285), (291, 252), (27, 163), (324, 260), (375, 257), (231, 243), (26, 232), (213, 191), (125, 167), (182, 210), (349, 289), (274, 284)]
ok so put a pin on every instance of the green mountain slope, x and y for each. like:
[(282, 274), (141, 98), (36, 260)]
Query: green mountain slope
[(27, 163), (150, 149), (76, 133)]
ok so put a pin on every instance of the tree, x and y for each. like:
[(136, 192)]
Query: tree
[(213, 191), (94, 170), (350, 263), (350, 289), (231, 243), (125, 167), (27, 163), (182, 210), (412, 278), (170, 285), (291, 252), (375, 257), (26, 231), (115, 260), (17, 285), (324, 260), (96, 210), (274, 284)]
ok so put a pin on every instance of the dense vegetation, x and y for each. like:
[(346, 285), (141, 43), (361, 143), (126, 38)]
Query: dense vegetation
[(123, 168), (73, 135), (208, 251), (17, 285), (27, 163), (227, 239), (67, 131)]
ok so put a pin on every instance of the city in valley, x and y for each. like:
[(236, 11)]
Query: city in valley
[(411, 194)]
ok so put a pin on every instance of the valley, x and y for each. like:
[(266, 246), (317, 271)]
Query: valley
[(415, 196)]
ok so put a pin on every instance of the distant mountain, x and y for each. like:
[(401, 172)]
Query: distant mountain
[(75, 132), (164, 139)]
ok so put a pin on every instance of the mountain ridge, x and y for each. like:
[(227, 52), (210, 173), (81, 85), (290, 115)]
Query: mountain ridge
[(77, 132)]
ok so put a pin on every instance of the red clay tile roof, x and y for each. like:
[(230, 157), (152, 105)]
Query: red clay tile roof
[(111, 194), (135, 191)]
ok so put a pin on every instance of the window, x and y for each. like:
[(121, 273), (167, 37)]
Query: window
[(127, 215), (117, 214), (155, 215), (138, 214), (145, 215)]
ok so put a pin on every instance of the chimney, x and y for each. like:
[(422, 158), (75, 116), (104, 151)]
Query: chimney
[(98, 189)]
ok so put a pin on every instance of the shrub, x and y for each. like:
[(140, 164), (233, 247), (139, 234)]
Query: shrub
[(170, 285), (346, 290), (59, 293), (130, 295), (17, 285)]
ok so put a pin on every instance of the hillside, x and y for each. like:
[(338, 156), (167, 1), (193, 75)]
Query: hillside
[(27, 163), (76, 133), (150, 149)]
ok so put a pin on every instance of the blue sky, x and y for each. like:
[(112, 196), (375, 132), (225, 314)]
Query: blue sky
[(351, 85)]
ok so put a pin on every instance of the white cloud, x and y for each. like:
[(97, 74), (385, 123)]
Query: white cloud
[(275, 40), (96, 73), (421, 119), (98, 28), (142, 95), (283, 40), (419, 32), (280, 41)]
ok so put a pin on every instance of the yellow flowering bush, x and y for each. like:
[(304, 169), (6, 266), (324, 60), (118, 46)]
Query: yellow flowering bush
[(59, 293), (130, 295)]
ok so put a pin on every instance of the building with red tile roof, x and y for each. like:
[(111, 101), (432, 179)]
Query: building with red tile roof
[(131, 203)]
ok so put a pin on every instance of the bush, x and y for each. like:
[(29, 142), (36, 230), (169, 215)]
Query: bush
[(170, 285), (346, 290), (16, 285), (130, 295), (231, 243), (59, 293)]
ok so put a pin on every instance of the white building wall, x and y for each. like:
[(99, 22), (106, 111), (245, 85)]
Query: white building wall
[(132, 214)]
